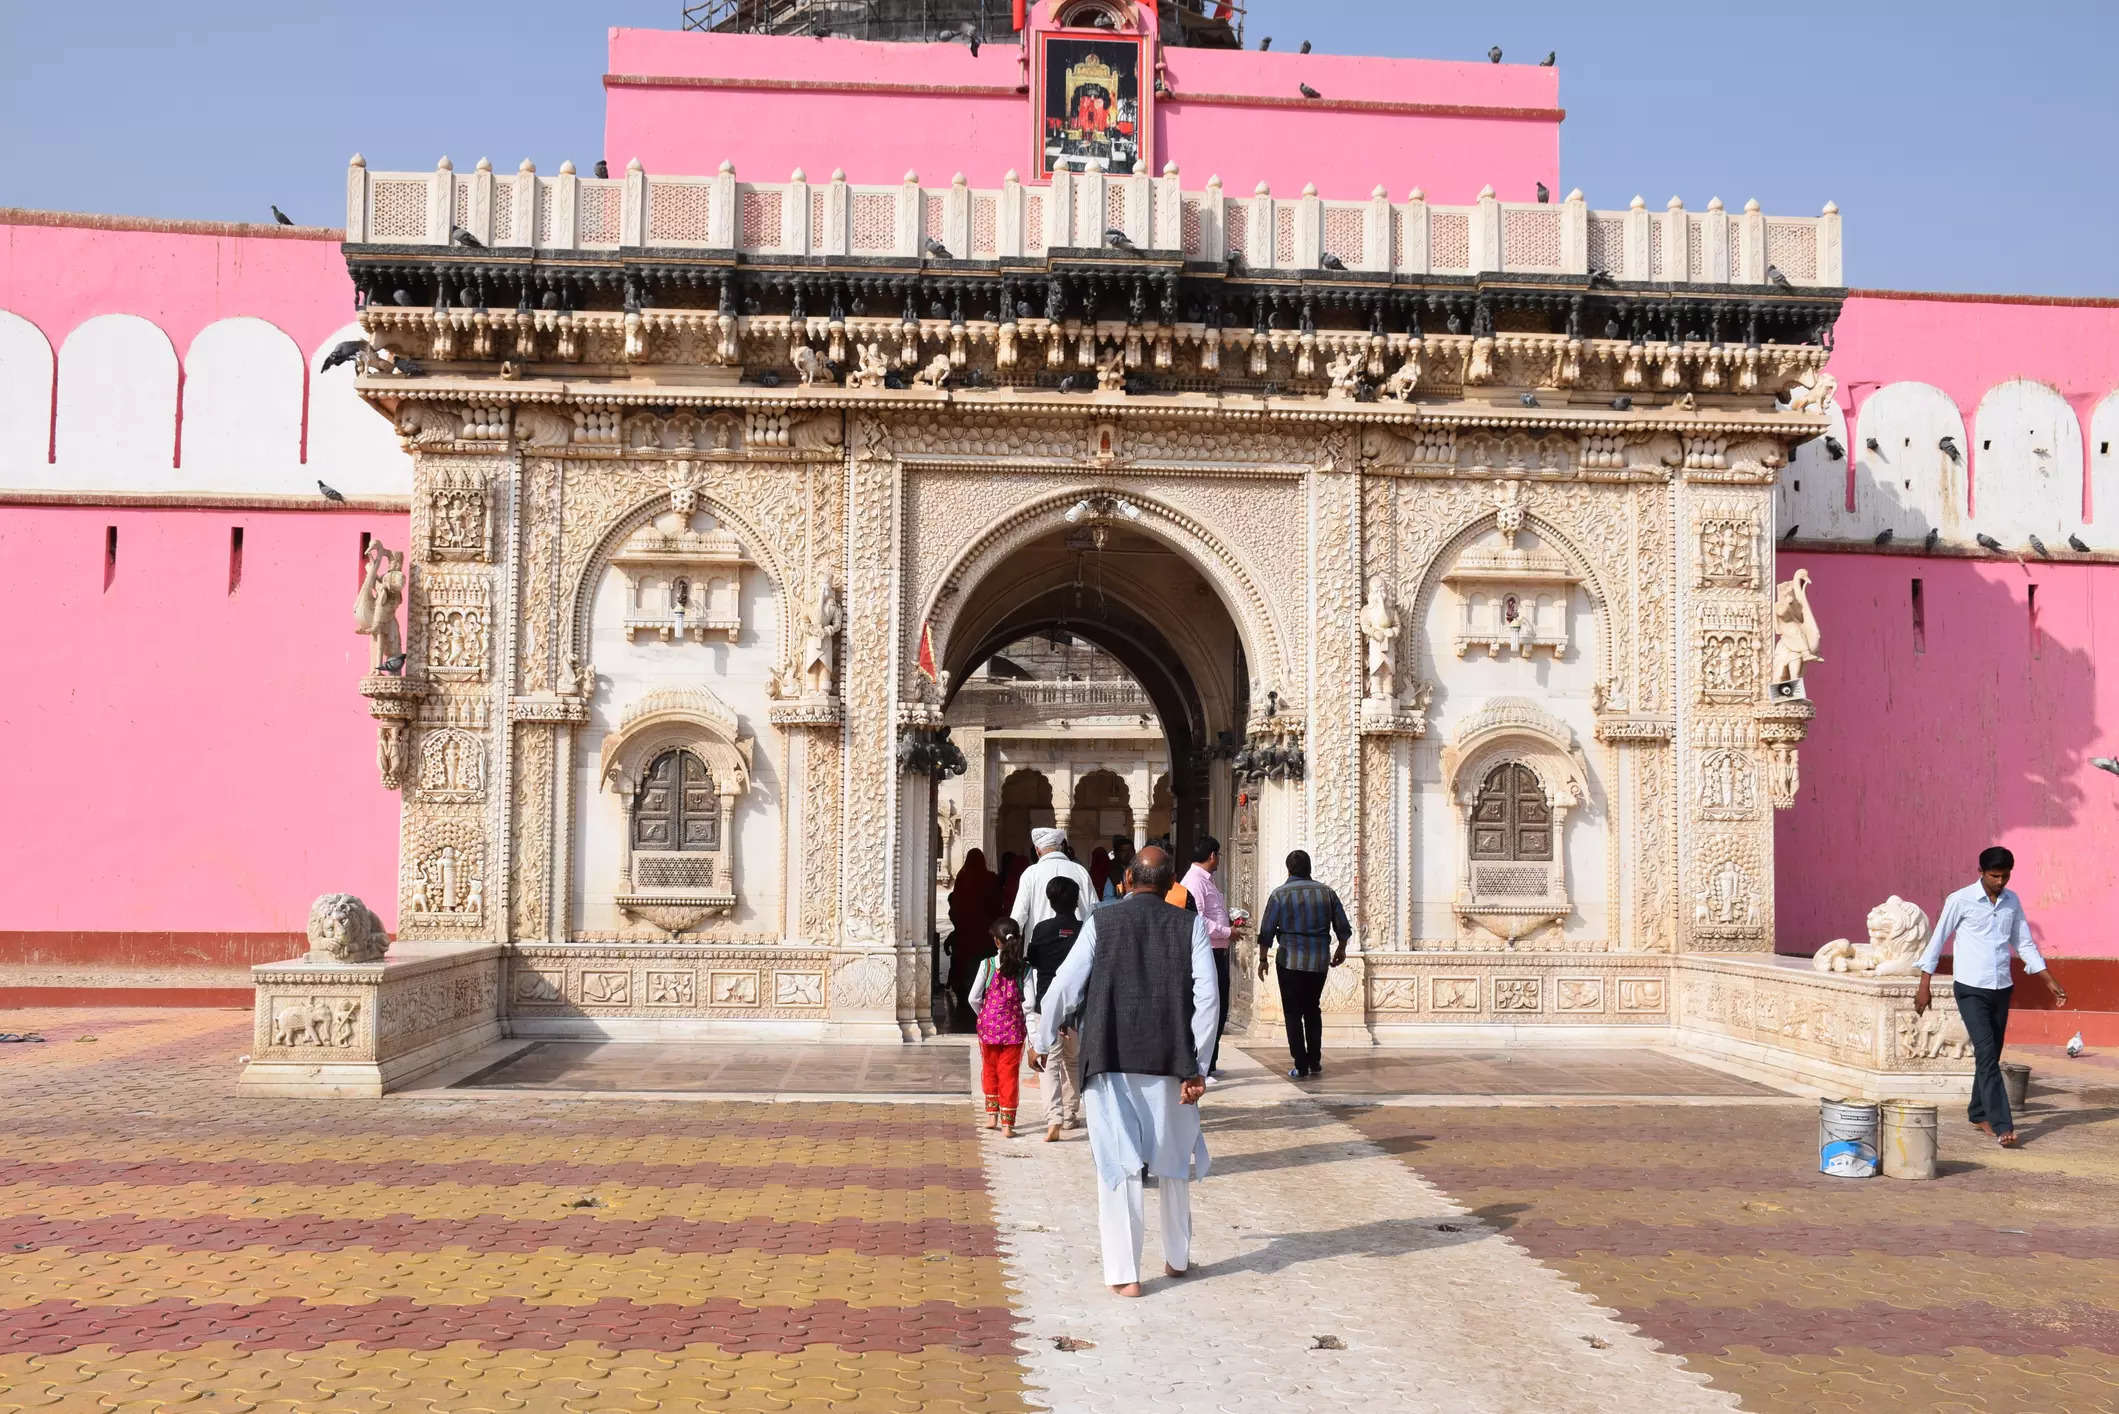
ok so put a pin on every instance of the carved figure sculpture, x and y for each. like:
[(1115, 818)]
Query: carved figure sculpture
[(344, 1012), (375, 605), (1898, 930), (393, 742), (1936, 1034), (1400, 384), (343, 929), (809, 369), (1379, 627), (1343, 371), (1795, 635), (1111, 372), (818, 670), (1813, 393), (303, 1024), (935, 374), (949, 822), (542, 427), (874, 368)]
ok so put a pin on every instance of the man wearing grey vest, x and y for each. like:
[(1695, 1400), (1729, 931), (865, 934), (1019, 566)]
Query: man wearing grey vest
[(1139, 985)]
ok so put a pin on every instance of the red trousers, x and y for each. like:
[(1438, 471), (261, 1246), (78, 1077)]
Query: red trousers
[(1002, 1075)]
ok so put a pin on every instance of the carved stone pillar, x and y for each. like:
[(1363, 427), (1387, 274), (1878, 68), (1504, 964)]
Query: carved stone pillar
[(1333, 745)]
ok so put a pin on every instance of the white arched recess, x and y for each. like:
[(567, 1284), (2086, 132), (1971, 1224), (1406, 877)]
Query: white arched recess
[(25, 403), (2027, 466), (1811, 495), (2102, 532), (117, 426), (1908, 484), (351, 445), (243, 410)]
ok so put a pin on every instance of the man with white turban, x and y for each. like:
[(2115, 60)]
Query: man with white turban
[(1031, 905)]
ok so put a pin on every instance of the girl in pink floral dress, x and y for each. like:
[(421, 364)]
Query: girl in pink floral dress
[(997, 997)]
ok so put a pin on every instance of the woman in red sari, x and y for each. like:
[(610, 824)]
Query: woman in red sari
[(973, 905), (1099, 870)]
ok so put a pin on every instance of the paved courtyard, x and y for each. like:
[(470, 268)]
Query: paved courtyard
[(167, 1245)]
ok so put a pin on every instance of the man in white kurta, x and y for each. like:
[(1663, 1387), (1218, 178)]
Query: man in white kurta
[(1140, 985), (1031, 906)]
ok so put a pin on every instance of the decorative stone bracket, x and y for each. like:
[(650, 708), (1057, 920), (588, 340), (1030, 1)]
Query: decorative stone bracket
[(393, 702), (1782, 725)]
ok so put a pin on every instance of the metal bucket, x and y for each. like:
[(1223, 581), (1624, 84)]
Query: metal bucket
[(1846, 1138), (2016, 1077), (1907, 1138)]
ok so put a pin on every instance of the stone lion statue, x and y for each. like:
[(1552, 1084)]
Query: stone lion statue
[(343, 929), (1898, 930)]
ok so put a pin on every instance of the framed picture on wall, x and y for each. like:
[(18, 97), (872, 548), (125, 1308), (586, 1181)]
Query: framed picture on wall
[(1094, 111)]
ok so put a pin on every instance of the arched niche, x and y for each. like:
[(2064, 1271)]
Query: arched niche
[(117, 406), (1810, 494), (352, 447), (2103, 529), (1907, 482), (243, 409), (2027, 464), (1509, 752), (676, 880), (25, 403)]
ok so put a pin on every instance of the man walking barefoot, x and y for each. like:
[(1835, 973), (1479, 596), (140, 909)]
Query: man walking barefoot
[(1139, 985), (1987, 920)]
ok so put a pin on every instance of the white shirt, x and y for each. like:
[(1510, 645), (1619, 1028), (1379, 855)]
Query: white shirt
[(1031, 905), (1985, 930)]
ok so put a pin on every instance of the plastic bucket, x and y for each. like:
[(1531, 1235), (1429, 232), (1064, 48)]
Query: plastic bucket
[(1907, 1137), (1846, 1138), (2016, 1077)]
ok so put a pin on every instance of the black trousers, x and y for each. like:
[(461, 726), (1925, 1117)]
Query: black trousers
[(1221, 980), (1986, 1021), (1299, 994)]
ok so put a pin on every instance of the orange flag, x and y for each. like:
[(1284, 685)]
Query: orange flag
[(926, 662)]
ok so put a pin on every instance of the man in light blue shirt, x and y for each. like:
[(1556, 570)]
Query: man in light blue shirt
[(1987, 921)]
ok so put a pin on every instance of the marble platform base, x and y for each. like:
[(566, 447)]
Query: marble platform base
[(329, 1030), (1779, 1020)]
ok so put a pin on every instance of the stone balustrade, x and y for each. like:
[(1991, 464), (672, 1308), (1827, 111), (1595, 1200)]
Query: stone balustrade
[(800, 218)]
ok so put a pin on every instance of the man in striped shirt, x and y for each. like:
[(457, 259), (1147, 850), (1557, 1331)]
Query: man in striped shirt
[(1302, 915)]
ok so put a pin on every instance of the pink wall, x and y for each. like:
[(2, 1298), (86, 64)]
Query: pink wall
[(181, 275), (1920, 759), (772, 104), (181, 757)]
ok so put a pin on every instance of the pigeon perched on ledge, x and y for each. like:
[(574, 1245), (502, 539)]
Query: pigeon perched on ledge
[(344, 352), (1988, 542)]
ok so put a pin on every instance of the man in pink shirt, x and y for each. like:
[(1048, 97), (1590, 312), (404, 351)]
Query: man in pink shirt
[(1212, 907)]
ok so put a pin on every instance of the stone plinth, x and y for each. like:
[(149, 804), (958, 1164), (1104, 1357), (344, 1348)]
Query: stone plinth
[(336, 1029), (1847, 1035)]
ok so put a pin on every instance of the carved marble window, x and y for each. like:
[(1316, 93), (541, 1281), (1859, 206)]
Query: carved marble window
[(1511, 821), (676, 807), (678, 764), (1514, 773)]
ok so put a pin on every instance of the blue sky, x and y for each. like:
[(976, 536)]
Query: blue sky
[(1971, 146)]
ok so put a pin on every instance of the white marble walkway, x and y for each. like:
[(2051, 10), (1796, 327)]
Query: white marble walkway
[(1306, 1230)]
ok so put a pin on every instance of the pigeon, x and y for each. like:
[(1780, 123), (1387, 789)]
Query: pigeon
[(1873, 445), (770, 378), (1622, 402), (2074, 1044), (464, 238), (939, 251), (1790, 535), (330, 494), (395, 663), (1307, 91), (1305, 47), (1988, 542), (1530, 400), (344, 352), (1601, 277), (2074, 542), (1331, 262), (2038, 548), (1552, 57), (1119, 240), (1493, 55), (550, 300), (282, 217), (410, 368), (1949, 448), (1232, 262), (1775, 277), (402, 298), (2105, 763), (1883, 537), (1931, 539), (1835, 449), (1265, 44), (603, 168), (1071, 382), (1544, 193)]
